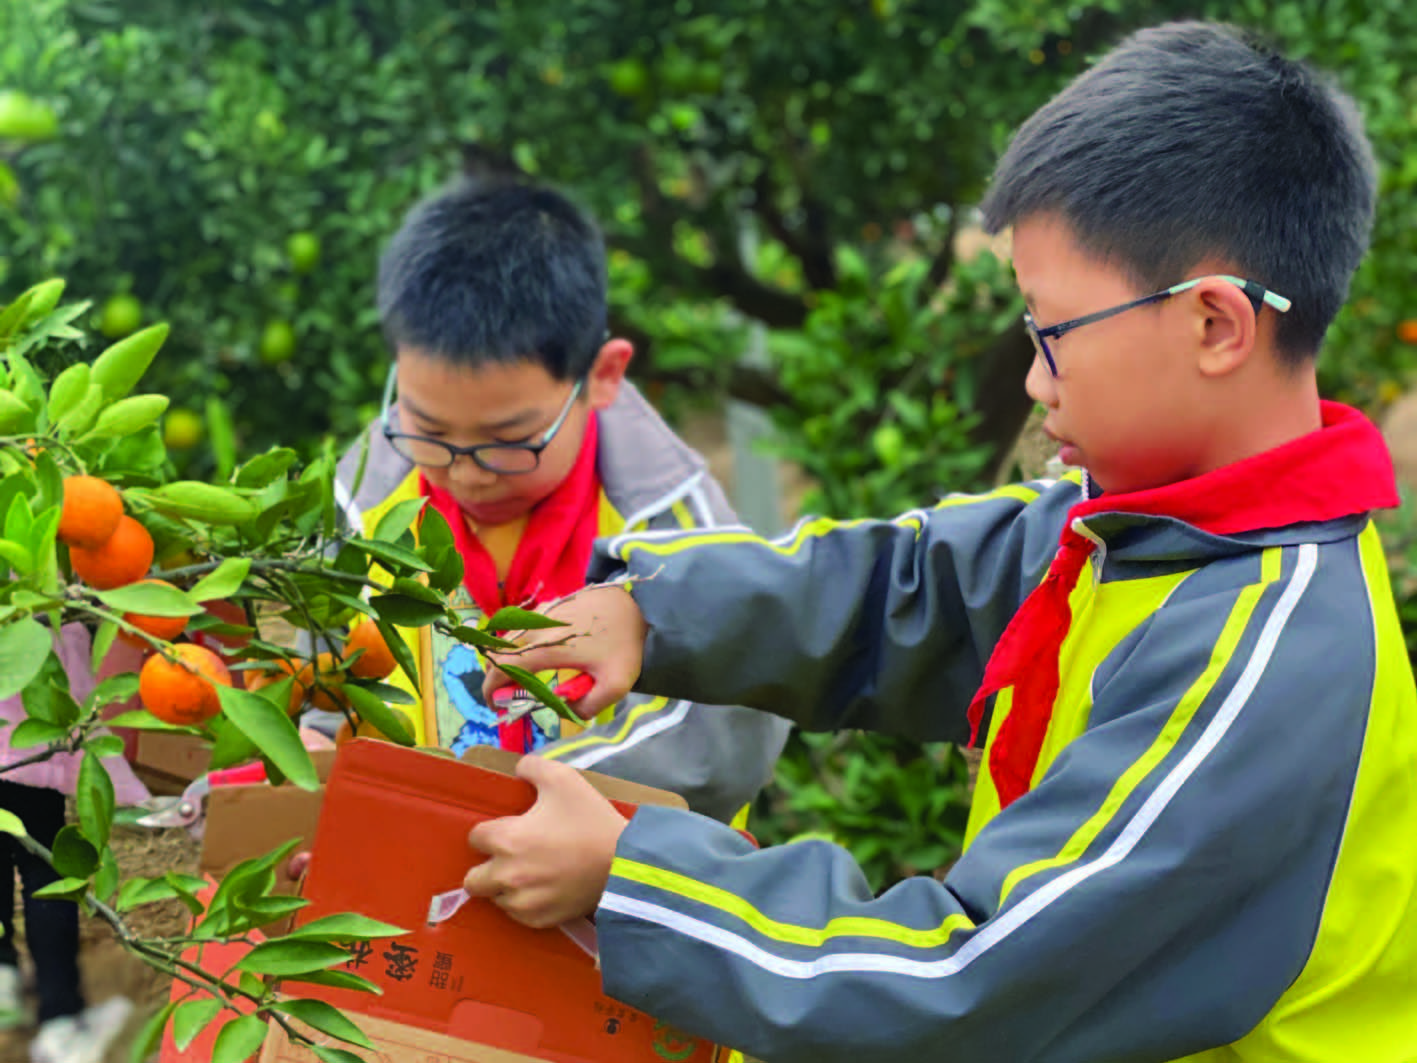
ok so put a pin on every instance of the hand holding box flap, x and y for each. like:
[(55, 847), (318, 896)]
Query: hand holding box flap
[(392, 834)]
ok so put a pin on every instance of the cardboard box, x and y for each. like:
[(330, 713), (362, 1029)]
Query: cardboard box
[(396, 1043), (243, 822), (166, 763), (477, 987)]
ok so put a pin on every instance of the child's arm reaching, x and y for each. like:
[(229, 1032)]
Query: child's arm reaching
[(1153, 897), (884, 625)]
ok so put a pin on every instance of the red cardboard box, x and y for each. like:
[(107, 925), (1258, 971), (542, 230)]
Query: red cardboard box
[(393, 834)]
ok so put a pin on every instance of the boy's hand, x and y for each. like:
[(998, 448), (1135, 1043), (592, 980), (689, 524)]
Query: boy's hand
[(605, 639), (551, 863)]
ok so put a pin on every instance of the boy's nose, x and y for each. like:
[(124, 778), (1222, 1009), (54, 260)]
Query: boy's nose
[(465, 472), (1039, 383)]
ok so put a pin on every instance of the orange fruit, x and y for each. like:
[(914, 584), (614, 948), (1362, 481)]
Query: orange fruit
[(166, 628), (255, 680), (91, 512), (324, 694), (377, 660), (181, 689), (123, 558), (1407, 331)]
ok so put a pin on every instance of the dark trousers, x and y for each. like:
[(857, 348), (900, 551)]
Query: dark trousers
[(51, 927)]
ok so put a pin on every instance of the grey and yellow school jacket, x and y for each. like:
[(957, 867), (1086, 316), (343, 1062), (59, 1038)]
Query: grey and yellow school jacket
[(1216, 859), (716, 757)]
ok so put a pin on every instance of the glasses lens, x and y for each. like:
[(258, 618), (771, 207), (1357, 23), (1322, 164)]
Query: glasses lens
[(426, 452), (508, 460)]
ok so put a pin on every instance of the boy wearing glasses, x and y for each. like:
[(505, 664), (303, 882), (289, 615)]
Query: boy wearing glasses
[(1193, 833), (508, 409)]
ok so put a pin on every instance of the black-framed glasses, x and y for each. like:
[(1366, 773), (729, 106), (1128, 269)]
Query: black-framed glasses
[(1258, 293), (504, 459)]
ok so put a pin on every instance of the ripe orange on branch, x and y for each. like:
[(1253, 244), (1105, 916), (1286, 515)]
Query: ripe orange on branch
[(256, 679), (123, 558), (181, 689), (91, 511), (166, 628), (377, 660)]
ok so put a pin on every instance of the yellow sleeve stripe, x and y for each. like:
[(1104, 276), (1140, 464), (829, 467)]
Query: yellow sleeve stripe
[(810, 936), (814, 528), (1180, 719), (639, 712)]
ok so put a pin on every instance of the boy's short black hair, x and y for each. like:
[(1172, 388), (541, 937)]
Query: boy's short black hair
[(1192, 141), (497, 271)]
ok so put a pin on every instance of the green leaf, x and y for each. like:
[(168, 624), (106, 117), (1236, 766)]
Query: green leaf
[(411, 588), (66, 391), (392, 555), (142, 720), (127, 417), (186, 887), (30, 733), (19, 521), (139, 891), (222, 434), (150, 1037), (118, 369), (81, 416), (94, 799), (191, 1018), (328, 1054), (398, 519), (17, 557), (287, 956), (239, 1040), (266, 468), (104, 746), (66, 889), (513, 618), (231, 745), (476, 636), (202, 501), (102, 643), (225, 581), (46, 701), (150, 599), (325, 1018), (400, 649), (50, 479), (11, 824), (114, 688), (24, 647), (264, 910), (15, 315), (541, 692), (345, 926), (405, 611), (273, 732), (74, 855), (339, 980), (371, 708), (106, 880), (391, 695)]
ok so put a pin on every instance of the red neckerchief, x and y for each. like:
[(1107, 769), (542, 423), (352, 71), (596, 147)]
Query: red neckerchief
[(1340, 470), (552, 555)]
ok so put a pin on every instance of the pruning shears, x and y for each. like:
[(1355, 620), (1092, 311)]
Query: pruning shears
[(188, 809), (514, 702)]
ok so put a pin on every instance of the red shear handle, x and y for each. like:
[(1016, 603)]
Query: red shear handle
[(246, 773)]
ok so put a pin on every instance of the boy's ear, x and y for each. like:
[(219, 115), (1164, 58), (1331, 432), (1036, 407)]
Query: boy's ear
[(608, 371), (1226, 327)]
